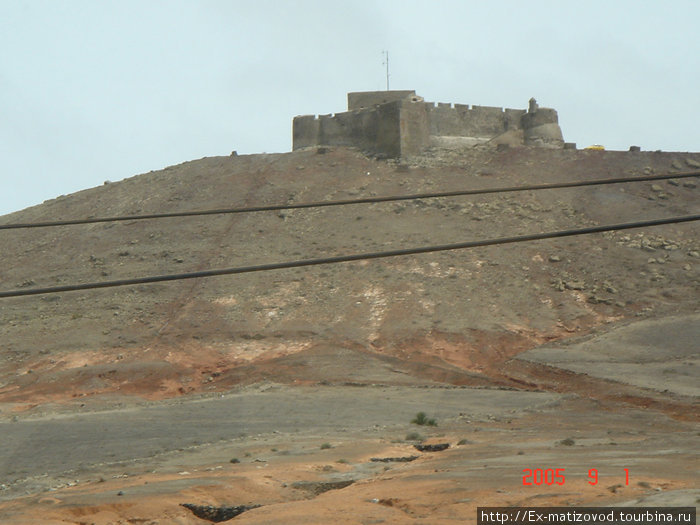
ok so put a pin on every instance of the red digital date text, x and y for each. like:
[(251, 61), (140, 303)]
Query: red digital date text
[(540, 476)]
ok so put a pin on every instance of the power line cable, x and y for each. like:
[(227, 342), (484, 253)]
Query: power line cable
[(348, 258), (364, 200)]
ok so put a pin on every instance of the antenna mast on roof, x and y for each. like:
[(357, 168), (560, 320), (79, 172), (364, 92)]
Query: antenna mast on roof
[(386, 63)]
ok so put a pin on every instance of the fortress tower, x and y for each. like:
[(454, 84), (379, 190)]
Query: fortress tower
[(400, 123)]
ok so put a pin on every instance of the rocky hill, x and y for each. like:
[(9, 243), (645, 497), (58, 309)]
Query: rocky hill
[(452, 316), (293, 396)]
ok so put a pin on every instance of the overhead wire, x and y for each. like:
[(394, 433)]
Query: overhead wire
[(362, 200), (349, 258)]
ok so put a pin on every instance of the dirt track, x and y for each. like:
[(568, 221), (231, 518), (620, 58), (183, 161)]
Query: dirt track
[(53, 445)]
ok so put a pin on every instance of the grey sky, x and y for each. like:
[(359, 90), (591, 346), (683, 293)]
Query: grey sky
[(102, 90)]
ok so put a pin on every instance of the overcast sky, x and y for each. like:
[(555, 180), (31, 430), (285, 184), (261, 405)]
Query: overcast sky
[(103, 90)]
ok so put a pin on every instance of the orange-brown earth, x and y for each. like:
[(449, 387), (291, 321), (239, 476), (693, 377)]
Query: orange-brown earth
[(431, 332)]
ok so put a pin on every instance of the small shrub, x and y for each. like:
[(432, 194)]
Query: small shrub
[(326, 446), (423, 420), (343, 461), (235, 460), (414, 436), (464, 442), (568, 442)]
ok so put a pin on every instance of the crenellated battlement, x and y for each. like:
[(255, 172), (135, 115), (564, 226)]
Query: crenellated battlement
[(399, 123), (471, 121)]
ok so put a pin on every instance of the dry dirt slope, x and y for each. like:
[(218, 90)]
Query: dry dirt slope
[(447, 317), (81, 446)]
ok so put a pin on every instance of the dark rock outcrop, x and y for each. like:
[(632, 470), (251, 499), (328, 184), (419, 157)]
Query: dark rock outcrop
[(319, 487), (403, 459), (433, 448), (217, 514)]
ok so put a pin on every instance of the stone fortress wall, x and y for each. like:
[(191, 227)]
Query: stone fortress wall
[(400, 123)]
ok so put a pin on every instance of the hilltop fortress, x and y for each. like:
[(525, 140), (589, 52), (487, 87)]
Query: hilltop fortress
[(401, 123)]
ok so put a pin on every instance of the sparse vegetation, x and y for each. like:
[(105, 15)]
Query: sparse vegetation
[(568, 442), (343, 461), (326, 446), (414, 436), (423, 420)]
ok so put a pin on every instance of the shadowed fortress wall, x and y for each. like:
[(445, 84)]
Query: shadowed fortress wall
[(400, 123)]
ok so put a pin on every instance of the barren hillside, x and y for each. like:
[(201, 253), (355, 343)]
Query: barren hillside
[(447, 319), (455, 313)]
